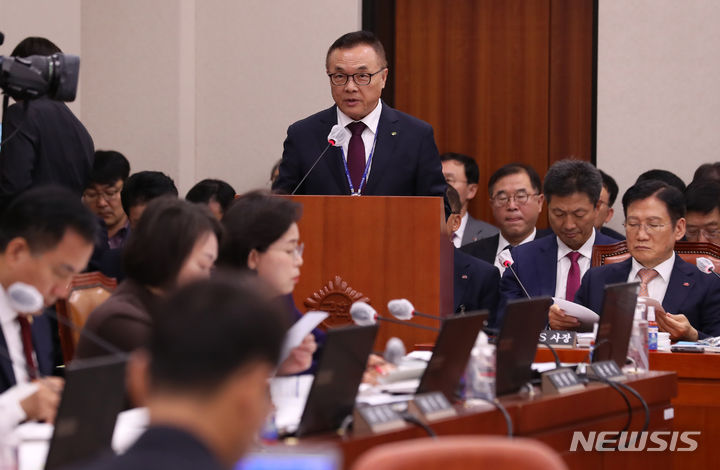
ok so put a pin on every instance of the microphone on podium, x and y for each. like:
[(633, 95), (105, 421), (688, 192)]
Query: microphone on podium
[(336, 138), (507, 262), (364, 315), (403, 309), (706, 265)]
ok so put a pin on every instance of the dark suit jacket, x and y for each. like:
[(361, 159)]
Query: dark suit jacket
[(51, 147), (405, 161), (124, 320), (536, 266), (475, 285), (477, 230), (160, 448), (690, 292), (44, 351), (486, 248), (612, 233)]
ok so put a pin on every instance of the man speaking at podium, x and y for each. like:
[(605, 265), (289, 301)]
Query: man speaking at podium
[(379, 151)]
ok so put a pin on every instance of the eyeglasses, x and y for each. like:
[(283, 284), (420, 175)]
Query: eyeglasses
[(521, 198), (360, 79), (709, 233), (296, 252), (650, 227), (109, 195)]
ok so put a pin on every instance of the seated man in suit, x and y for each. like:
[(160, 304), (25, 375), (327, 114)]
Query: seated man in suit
[(608, 195), (475, 282), (46, 238), (141, 188), (462, 173), (654, 221), (385, 152), (703, 211), (204, 377), (554, 265), (516, 200)]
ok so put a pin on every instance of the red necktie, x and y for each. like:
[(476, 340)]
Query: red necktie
[(356, 154), (26, 334), (573, 280)]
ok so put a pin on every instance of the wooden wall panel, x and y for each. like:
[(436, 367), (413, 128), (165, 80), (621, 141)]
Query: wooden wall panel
[(500, 80)]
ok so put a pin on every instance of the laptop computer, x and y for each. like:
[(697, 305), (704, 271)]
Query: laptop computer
[(616, 321), (517, 343), (450, 356), (337, 379), (93, 396)]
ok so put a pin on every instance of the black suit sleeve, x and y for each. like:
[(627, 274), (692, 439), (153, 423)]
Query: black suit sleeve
[(17, 155)]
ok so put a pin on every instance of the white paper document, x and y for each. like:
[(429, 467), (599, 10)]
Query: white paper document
[(584, 314), (299, 331)]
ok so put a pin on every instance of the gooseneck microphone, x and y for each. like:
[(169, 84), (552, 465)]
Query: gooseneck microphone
[(336, 138), (506, 260), (403, 309), (706, 265), (364, 315)]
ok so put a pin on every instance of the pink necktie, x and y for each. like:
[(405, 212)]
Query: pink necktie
[(646, 275), (356, 154), (573, 280)]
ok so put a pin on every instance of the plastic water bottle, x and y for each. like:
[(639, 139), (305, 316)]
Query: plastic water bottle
[(480, 372), (638, 347), (652, 329)]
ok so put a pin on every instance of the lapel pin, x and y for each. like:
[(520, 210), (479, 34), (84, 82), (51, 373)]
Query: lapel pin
[(464, 276), (686, 284), (393, 133)]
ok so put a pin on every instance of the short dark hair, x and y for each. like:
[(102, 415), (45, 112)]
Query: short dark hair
[(472, 172), (451, 199), (356, 38), (212, 189), (514, 169), (665, 176), (34, 45), (568, 177), (670, 195), (43, 215), (209, 329), (144, 186), (707, 171), (109, 167), (254, 222), (163, 239), (702, 196), (610, 186)]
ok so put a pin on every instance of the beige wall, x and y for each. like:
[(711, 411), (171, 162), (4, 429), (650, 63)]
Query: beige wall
[(193, 88), (658, 93)]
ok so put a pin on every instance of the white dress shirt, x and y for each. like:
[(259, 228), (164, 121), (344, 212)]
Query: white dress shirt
[(658, 286), (502, 243), (458, 235), (563, 263), (371, 122), (13, 338)]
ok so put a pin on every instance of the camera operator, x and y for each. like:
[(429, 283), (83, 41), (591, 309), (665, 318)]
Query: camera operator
[(51, 145)]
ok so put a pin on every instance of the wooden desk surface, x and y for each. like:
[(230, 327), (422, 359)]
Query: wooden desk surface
[(551, 419)]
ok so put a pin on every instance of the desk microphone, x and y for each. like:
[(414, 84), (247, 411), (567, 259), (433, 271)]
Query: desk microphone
[(336, 138), (706, 265), (507, 262), (394, 351), (403, 309), (364, 315)]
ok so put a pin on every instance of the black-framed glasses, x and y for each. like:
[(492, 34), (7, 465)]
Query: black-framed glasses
[(360, 78)]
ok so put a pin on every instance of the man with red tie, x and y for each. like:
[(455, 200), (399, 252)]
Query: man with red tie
[(46, 237), (690, 299), (383, 153)]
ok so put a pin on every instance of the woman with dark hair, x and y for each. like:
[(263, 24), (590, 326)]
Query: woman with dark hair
[(175, 242), (262, 235)]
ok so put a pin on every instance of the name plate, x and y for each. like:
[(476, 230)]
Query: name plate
[(560, 381), (558, 339), (431, 406), (607, 370)]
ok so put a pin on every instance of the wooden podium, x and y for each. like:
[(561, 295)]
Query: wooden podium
[(375, 249)]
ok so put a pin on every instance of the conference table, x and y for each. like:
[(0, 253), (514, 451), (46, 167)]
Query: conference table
[(551, 419), (696, 406)]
